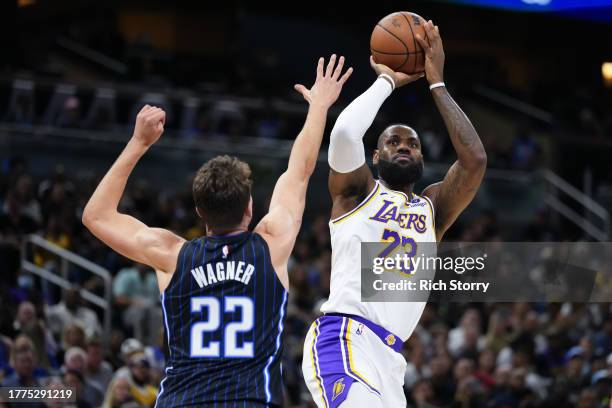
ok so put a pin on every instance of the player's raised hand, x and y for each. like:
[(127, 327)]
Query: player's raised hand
[(149, 125), (434, 53), (328, 83), (399, 78)]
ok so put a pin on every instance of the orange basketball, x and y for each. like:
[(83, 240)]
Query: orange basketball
[(394, 44)]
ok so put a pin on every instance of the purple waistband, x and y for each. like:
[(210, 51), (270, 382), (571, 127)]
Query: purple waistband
[(383, 334)]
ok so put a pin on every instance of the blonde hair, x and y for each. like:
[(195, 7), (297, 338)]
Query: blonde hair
[(110, 391), (22, 344)]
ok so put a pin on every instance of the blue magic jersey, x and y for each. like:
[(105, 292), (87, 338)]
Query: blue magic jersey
[(223, 314)]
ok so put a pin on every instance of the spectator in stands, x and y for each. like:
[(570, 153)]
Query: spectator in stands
[(511, 390), (97, 371), (136, 292), (441, 379), (73, 336), (457, 337), (75, 360), (24, 193), (57, 198), (71, 310), (14, 223), (23, 363), (573, 379), (55, 232), (601, 384), (28, 324), (55, 383), (74, 380), (128, 348), (422, 395), (114, 355), (498, 336), (485, 369), (119, 395), (469, 392), (139, 377), (588, 399)]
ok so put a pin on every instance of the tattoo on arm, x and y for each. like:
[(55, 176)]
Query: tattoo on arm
[(458, 125), (462, 180)]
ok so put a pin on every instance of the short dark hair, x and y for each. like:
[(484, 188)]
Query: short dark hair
[(380, 137), (222, 190), (76, 373)]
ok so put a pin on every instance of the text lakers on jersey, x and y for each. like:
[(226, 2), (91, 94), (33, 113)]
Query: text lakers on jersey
[(390, 211)]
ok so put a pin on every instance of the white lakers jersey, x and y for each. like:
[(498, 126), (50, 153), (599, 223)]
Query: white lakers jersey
[(383, 213)]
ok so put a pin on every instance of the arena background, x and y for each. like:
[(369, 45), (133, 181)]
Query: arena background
[(531, 75)]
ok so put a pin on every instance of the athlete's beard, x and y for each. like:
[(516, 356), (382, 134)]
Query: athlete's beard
[(398, 175)]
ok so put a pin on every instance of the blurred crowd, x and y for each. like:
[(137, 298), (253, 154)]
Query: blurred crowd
[(224, 117), (464, 355)]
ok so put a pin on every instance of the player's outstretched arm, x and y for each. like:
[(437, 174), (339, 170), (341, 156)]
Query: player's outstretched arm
[(350, 178), (282, 223), (128, 236), (456, 191)]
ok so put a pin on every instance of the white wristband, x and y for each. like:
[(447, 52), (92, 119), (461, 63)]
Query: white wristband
[(389, 79), (436, 85)]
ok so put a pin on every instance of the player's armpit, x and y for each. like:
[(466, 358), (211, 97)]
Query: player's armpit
[(279, 230), (155, 247), (282, 223), (347, 190), (161, 248), (453, 194)]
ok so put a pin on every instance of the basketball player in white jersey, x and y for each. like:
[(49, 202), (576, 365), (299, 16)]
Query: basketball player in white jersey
[(351, 353)]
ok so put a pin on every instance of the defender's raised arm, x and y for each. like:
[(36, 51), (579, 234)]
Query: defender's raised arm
[(125, 234), (282, 223)]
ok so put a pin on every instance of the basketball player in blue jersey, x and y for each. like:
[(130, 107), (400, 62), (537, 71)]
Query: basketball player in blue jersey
[(351, 353), (223, 295)]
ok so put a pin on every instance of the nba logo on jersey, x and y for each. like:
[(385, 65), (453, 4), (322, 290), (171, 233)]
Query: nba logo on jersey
[(225, 251), (338, 388), (359, 329)]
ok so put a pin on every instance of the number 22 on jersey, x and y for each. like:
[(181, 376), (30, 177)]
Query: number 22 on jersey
[(230, 330)]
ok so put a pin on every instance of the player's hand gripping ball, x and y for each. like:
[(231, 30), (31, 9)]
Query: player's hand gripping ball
[(394, 43)]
